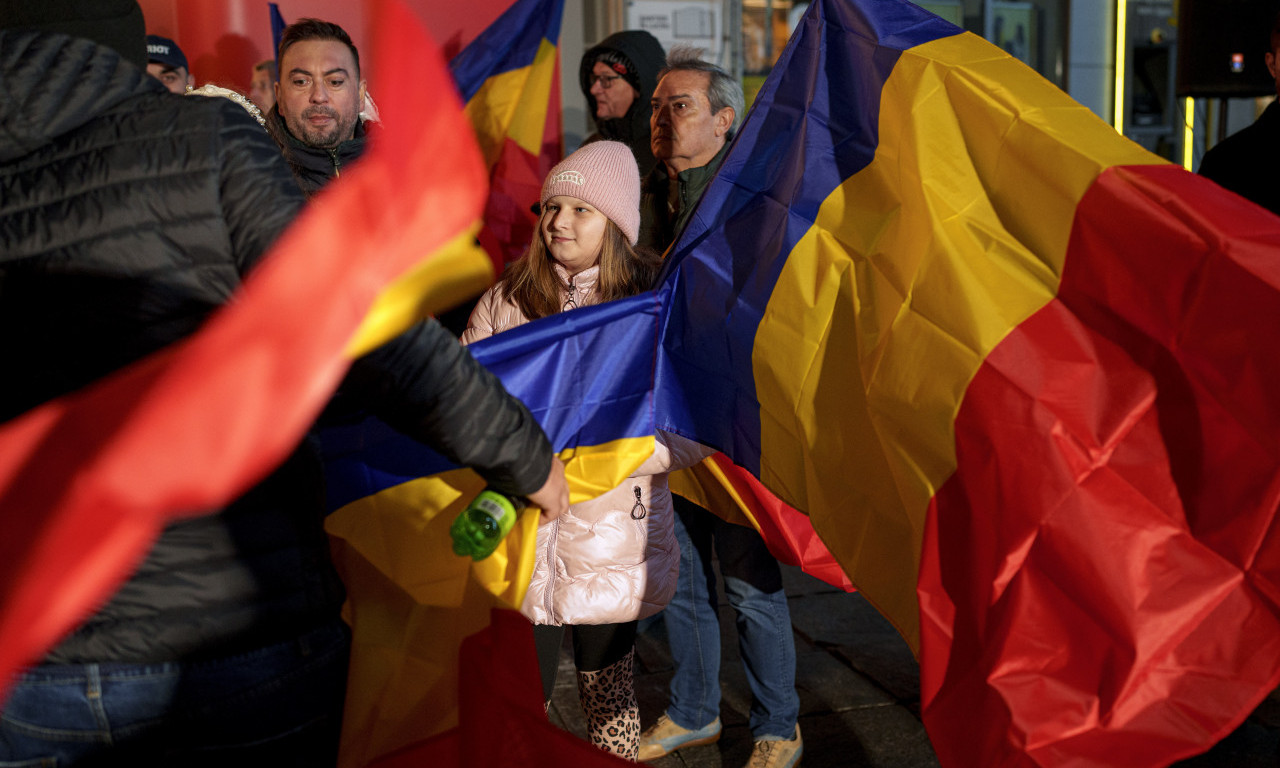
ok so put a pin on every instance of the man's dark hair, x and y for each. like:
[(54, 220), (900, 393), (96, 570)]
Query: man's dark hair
[(315, 29), (1275, 34), (270, 66)]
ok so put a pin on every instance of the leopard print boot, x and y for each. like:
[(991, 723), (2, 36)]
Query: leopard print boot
[(609, 701)]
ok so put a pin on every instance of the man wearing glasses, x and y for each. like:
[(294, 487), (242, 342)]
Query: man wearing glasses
[(618, 75)]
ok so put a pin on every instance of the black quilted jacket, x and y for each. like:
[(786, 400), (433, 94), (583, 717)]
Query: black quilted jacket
[(127, 214)]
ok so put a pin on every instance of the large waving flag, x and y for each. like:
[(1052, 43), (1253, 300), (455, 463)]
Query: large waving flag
[(412, 603), (1015, 369), (509, 79), (88, 480), (1019, 372)]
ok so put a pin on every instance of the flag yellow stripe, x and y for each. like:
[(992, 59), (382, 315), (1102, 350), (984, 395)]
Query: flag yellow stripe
[(411, 601), (404, 530), (514, 105), (527, 132), (915, 268), (457, 271)]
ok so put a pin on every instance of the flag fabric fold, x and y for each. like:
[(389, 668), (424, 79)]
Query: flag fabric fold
[(499, 684), (1012, 366), (509, 79), (587, 378), (88, 480)]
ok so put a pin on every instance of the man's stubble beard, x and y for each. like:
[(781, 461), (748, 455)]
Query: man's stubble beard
[(320, 138)]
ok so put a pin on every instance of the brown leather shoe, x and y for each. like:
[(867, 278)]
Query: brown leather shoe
[(777, 754), (664, 737)]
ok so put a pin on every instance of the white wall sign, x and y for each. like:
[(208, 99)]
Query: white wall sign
[(680, 22)]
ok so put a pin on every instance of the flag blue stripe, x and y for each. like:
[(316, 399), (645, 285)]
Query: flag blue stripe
[(277, 31), (586, 375), (510, 42), (814, 124)]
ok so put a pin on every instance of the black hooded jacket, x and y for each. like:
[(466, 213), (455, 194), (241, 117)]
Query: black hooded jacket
[(127, 215), (646, 57)]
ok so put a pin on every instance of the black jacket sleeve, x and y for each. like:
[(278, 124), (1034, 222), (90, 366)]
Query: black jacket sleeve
[(258, 194), (428, 386)]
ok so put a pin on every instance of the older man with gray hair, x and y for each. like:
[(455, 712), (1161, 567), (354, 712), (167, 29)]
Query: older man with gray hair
[(696, 108)]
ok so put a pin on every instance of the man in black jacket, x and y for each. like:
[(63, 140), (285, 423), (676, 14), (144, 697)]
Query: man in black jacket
[(319, 95), (131, 214), (1248, 161)]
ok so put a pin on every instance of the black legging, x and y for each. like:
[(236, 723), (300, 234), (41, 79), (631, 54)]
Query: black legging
[(595, 646)]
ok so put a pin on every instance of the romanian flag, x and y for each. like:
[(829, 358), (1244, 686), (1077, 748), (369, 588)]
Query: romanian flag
[(509, 78), (88, 480), (1019, 373), (1015, 369), (412, 604)]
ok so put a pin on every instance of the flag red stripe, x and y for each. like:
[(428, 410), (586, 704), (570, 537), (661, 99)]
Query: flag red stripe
[(1099, 576), (86, 481), (787, 532), (501, 721)]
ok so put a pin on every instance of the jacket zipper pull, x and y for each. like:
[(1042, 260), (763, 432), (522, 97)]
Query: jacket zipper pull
[(638, 505), (572, 301)]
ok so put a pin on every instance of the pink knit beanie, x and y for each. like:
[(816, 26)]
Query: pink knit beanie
[(604, 175)]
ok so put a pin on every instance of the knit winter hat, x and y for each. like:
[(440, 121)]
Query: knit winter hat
[(604, 175)]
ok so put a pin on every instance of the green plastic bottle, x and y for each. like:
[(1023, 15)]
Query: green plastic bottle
[(489, 517)]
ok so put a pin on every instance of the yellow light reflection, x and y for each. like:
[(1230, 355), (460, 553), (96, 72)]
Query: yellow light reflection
[(1122, 12), (1188, 131)]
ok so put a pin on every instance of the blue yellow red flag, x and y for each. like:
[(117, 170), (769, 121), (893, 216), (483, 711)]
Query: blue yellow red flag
[(587, 377), (509, 78), (1015, 369), (88, 480), (916, 303)]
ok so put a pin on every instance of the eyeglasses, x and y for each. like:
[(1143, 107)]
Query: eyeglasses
[(605, 81)]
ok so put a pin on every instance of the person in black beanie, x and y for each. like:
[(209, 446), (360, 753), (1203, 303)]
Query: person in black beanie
[(116, 24), (618, 76), (131, 214)]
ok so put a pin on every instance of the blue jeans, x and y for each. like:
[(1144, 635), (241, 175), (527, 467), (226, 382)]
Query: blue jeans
[(280, 705), (753, 586)]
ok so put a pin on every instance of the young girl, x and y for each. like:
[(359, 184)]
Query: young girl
[(612, 560)]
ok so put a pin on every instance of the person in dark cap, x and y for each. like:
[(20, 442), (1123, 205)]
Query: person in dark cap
[(130, 216), (167, 63), (618, 76)]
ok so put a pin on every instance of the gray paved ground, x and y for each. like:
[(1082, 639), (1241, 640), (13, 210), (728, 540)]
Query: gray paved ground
[(859, 693)]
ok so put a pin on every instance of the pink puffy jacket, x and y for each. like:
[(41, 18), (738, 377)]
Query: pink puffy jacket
[(613, 558)]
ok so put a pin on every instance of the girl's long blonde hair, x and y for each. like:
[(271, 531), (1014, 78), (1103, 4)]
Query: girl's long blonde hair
[(532, 284)]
